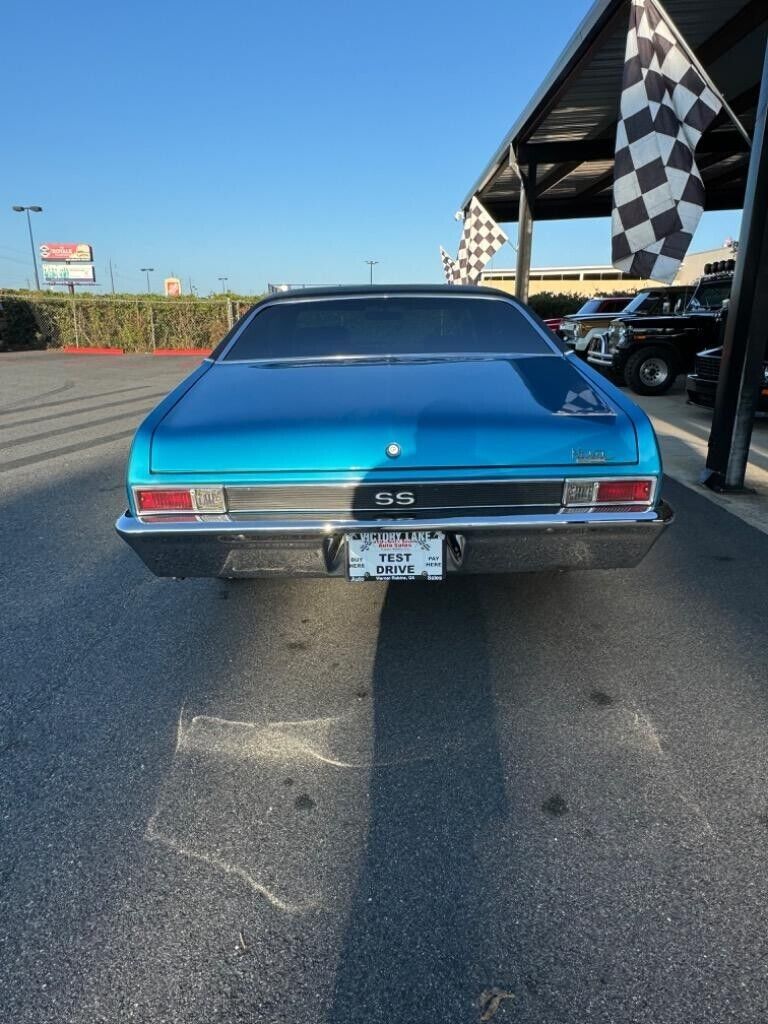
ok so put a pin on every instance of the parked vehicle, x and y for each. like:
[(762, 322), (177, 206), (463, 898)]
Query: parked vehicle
[(648, 352), (392, 433), (701, 385), (649, 302), (578, 328)]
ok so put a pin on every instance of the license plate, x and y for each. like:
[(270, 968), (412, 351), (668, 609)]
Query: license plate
[(396, 555)]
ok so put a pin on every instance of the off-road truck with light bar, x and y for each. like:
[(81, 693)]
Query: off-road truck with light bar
[(648, 352)]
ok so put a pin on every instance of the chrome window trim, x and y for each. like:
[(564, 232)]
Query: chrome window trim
[(542, 332)]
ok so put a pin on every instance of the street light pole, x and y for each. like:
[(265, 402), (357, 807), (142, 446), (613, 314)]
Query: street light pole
[(223, 283), (33, 209), (148, 271), (371, 265)]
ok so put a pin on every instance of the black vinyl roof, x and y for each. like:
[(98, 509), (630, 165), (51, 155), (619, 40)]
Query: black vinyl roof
[(364, 290), (568, 128)]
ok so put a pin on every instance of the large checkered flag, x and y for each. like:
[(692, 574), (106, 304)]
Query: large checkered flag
[(450, 269), (667, 102), (481, 238)]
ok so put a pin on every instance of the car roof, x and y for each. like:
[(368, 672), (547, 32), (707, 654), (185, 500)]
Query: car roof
[(363, 290)]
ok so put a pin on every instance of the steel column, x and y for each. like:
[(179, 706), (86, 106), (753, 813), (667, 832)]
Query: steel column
[(525, 233), (738, 388)]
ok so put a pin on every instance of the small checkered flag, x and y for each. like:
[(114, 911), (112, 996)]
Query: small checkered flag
[(481, 238), (666, 105), (450, 269)]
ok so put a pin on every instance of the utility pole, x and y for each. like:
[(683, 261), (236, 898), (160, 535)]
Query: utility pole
[(111, 276), (371, 265)]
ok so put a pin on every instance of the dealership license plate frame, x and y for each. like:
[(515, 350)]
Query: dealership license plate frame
[(363, 547)]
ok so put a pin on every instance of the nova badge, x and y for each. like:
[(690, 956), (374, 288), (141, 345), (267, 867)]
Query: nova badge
[(582, 455)]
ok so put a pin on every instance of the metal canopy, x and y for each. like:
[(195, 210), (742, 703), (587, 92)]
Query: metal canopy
[(563, 141)]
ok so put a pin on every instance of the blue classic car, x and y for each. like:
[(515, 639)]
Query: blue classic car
[(392, 433)]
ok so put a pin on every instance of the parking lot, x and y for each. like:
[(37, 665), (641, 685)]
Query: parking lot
[(306, 801)]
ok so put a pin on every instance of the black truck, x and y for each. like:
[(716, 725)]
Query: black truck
[(701, 385), (648, 352)]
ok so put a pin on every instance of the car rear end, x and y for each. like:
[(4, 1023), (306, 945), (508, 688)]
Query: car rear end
[(409, 465)]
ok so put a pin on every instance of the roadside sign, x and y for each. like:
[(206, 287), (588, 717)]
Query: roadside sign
[(67, 273), (172, 287), (66, 252)]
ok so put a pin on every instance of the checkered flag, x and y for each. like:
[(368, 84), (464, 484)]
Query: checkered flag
[(450, 269), (666, 105), (482, 238)]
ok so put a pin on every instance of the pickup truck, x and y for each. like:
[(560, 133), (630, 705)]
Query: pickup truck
[(648, 352), (579, 330), (701, 385)]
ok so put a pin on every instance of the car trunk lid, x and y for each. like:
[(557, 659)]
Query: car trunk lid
[(443, 413)]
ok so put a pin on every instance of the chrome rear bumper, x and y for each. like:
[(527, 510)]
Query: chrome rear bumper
[(506, 544)]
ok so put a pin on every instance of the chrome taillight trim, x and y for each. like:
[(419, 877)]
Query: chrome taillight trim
[(596, 481), (191, 489)]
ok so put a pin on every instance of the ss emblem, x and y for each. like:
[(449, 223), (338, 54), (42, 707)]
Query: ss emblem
[(395, 498)]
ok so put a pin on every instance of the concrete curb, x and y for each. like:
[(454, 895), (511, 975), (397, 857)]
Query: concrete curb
[(96, 350)]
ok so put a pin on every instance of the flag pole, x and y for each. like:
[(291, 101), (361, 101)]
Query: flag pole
[(697, 63)]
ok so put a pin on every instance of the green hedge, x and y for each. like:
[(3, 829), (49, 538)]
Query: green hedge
[(48, 321), (52, 321)]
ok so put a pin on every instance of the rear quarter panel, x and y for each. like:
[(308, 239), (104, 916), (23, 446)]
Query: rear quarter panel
[(649, 454), (138, 468)]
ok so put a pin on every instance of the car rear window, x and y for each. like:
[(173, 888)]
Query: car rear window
[(386, 326)]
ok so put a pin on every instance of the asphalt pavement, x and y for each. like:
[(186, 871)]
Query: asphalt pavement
[(539, 797)]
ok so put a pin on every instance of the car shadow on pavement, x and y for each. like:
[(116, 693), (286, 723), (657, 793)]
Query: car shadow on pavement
[(436, 789)]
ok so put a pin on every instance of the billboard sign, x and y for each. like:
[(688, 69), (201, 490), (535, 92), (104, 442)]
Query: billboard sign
[(66, 252), (67, 273), (172, 287)]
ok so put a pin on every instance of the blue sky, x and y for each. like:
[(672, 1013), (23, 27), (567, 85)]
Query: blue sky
[(271, 142)]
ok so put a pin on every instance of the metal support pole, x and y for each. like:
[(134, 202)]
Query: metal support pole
[(230, 315), (525, 235), (152, 327), (738, 388)]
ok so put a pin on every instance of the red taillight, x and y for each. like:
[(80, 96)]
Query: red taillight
[(163, 501), (616, 492)]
